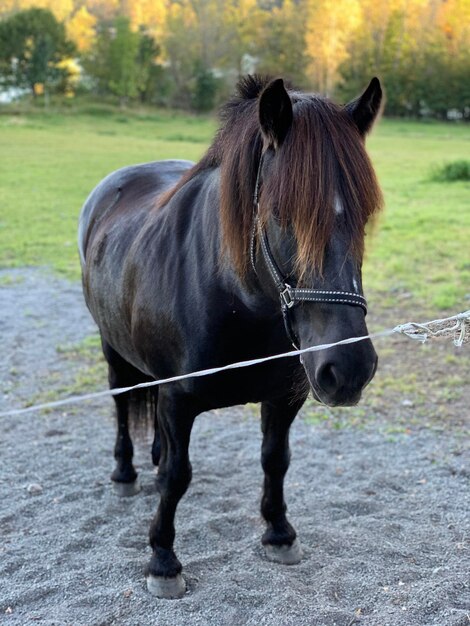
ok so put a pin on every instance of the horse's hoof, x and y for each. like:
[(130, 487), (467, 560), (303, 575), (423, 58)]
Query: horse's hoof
[(126, 490), (164, 587), (287, 555)]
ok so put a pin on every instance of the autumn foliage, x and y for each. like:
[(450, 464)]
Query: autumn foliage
[(188, 53)]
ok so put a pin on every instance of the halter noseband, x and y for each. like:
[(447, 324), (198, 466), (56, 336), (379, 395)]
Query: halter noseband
[(291, 296)]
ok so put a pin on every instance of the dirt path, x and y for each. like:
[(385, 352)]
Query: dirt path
[(384, 519)]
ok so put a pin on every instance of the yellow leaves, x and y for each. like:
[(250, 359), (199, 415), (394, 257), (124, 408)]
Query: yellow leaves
[(72, 75), (330, 24), (105, 9), (453, 19), (7, 7), (181, 12), (149, 13), (338, 29), (71, 67), (28, 47), (61, 9), (80, 29)]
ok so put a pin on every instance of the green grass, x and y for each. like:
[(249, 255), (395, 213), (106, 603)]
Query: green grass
[(54, 160), (420, 250), (50, 161)]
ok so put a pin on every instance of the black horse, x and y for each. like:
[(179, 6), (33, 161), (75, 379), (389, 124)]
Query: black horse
[(257, 246)]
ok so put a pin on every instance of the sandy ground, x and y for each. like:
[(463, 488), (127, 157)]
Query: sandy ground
[(384, 520)]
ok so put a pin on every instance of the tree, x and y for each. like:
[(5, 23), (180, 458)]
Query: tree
[(149, 15), (61, 9), (122, 57), (81, 29), (148, 71), (419, 49), (330, 24), (205, 43), (32, 44), (204, 89), (181, 43), (281, 50), (123, 61), (113, 59)]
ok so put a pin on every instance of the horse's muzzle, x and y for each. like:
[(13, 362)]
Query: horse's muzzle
[(340, 381)]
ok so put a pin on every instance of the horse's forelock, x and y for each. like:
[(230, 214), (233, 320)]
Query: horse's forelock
[(322, 155), (322, 158)]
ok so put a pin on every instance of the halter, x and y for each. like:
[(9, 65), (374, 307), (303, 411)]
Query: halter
[(291, 296)]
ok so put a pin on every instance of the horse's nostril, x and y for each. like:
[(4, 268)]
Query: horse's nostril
[(329, 378)]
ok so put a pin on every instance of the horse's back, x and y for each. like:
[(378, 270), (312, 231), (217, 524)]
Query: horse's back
[(136, 187)]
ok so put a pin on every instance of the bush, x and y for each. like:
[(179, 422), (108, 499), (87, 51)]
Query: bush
[(204, 89), (450, 172)]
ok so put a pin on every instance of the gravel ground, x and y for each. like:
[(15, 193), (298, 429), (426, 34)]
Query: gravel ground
[(384, 520)]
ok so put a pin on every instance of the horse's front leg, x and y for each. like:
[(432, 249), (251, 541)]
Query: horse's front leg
[(175, 419), (279, 538), (156, 445)]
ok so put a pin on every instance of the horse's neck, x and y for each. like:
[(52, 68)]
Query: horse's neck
[(203, 198)]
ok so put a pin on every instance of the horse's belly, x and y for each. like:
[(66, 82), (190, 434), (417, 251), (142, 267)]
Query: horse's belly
[(111, 223), (251, 384)]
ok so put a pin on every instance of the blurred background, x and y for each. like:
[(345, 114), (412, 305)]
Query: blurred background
[(188, 53)]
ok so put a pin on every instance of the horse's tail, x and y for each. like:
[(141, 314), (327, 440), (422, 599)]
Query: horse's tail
[(142, 421), (142, 409), (141, 403)]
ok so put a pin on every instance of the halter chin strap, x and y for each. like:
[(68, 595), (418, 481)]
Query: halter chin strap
[(291, 296)]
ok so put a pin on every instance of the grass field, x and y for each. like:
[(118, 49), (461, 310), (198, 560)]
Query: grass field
[(421, 248), (51, 161)]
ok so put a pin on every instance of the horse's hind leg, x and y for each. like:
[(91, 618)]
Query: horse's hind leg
[(175, 419), (279, 539), (122, 374)]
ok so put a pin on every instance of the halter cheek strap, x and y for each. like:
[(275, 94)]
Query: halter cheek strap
[(291, 296)]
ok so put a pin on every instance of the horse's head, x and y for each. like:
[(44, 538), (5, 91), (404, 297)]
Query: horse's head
[(317, 190)]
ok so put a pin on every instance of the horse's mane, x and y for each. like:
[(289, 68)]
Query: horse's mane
[(322, 155)]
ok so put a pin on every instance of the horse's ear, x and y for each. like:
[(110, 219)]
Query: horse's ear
[(365, 109), (275, 112)]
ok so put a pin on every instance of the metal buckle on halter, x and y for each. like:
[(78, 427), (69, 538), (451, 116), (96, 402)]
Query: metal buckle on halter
[(287, 298)]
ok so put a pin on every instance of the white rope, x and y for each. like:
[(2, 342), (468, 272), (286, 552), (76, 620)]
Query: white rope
[(413, 330)]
